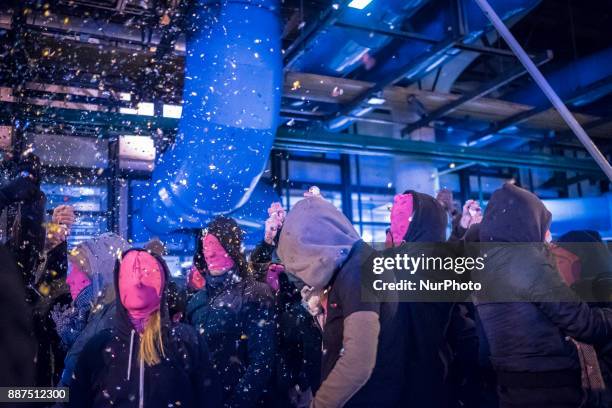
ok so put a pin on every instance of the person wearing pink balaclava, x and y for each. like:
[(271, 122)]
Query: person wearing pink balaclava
[(418, 223), (145, 359), (234, 313)]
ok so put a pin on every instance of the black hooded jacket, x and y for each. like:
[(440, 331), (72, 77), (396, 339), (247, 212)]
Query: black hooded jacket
[(109, 371), (427, 351), (236, 318), (531, 335)]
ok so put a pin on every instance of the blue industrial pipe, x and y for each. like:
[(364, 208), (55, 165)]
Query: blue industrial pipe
[(337, 51), (571, 78), (592, 213), (231, 104), (433, 22)]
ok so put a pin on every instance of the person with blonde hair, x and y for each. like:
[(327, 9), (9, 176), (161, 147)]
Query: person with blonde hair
[(144, 359)]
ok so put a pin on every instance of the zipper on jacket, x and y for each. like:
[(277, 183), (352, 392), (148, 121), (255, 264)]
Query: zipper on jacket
[(141, 385), (129, 368)]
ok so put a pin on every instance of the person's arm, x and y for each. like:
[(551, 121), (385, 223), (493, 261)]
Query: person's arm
[(89, 361), (361, 328), (260, 328), (572, 316), (355, 365)]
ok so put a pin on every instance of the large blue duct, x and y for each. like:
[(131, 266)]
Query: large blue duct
[(337, 51), (435, 21), (584, 213), (570, 79), (231, 104)]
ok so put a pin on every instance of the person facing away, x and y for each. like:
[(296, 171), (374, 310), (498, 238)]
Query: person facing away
[(531, 341), (361, 340), (235, 315), (435, 332), (298, 352), (144, 359)]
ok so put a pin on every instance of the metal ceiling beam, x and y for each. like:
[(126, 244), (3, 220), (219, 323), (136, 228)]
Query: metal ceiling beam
[(329, 17), (321, 141), (453, 169), (471, 96), (379, 86), (543, 84), (477, 138), (410, 36), (314, 140)]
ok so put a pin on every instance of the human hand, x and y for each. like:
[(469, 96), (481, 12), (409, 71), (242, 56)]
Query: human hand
[(56, 234), (313, 191), (64, 214), (274, 222), (472, 214)]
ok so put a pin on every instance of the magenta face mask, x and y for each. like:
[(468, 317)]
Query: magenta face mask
[(274, 271), (401, 215), (141, 280), (216, 257), (77, 280)]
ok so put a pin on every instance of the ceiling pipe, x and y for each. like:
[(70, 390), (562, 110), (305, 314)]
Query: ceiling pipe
[(409, 61), (537, 76)]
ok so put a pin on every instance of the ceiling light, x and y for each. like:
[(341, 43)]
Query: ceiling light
[(376, 101), (359, 4)]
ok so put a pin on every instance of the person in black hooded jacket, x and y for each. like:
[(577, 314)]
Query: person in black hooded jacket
[(530, 343), (235, 314), (298, 353), (418, 223), (144, 359)]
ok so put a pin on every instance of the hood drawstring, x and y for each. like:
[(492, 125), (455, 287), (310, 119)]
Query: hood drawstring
[(140, 374), (141, 385), (129, 369)]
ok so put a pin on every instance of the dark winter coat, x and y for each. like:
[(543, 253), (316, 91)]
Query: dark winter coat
[(298, 353), (52, 292), (428, 354), (236, 318), (528, 340), (17, 345), (298, 357), (109, 370)]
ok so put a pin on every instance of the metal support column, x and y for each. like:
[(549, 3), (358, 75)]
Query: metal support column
[(545, 87)]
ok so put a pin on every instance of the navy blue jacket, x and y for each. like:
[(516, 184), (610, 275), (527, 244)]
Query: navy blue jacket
[(236, 318)]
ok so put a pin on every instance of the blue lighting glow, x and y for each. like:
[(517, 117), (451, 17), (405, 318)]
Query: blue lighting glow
[(359, 4)]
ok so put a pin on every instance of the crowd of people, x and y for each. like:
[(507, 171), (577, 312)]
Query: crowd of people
[(286, 326)]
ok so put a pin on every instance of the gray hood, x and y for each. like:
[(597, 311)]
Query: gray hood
[(315, 240), (97, 257)]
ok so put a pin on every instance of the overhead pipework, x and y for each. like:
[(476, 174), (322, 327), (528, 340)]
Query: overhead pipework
[(339, 49), (233, 82)]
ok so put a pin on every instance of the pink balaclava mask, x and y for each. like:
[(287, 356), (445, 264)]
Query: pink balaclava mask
[(272, 276), (401, 215), (77, 280), (141, 281), (216, 257), (195, 280)]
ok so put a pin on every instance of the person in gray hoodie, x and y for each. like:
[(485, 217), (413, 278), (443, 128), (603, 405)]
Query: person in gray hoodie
[(361, 340), (95, 258)]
